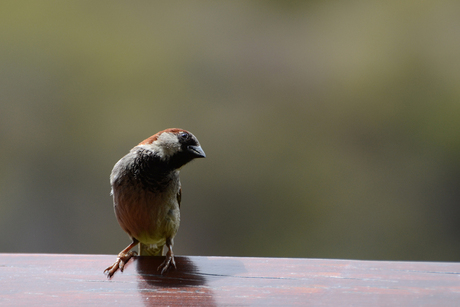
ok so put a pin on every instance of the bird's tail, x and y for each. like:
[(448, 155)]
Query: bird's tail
[(150, 249)]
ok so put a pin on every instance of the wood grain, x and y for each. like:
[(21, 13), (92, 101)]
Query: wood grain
[(77, 280)]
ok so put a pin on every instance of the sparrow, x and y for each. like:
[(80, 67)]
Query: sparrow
[(146, 192)]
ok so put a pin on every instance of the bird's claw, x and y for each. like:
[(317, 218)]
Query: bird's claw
[(164, 267), (120, 263)]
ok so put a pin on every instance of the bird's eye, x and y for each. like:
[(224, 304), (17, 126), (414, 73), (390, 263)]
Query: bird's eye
[(184, 135)]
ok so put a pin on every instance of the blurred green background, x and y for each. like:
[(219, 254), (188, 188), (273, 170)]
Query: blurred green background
[(331, 128)]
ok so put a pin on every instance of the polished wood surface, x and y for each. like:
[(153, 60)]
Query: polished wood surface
[(77, 280)]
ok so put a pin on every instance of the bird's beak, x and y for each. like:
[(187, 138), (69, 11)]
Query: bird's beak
[(197, 151)]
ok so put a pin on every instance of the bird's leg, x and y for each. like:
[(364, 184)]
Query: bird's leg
[(122, 258), (164, 267)]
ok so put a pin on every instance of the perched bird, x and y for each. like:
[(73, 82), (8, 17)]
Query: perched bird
[(147, 193)]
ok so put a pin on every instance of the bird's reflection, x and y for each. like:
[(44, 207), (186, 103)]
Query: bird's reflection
[(185, 275), (181, 286)]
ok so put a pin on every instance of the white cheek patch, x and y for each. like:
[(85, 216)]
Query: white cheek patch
[(167, 145)]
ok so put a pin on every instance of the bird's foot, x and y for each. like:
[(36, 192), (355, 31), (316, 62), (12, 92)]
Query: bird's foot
[(169, 261), (120, 263)]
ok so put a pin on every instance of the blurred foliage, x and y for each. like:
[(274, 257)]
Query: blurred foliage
[(332, 129)]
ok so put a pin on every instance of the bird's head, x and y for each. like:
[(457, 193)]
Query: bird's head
[(174, 146)]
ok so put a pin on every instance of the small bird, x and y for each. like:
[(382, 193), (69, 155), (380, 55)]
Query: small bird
[(146, 193)]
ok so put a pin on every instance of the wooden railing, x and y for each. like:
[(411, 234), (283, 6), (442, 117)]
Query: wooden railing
[(77, 280)]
